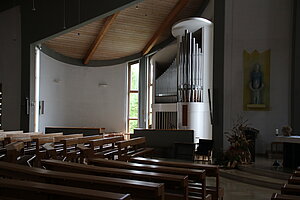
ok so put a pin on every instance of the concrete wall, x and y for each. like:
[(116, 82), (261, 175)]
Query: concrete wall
[(10, 67), (258, 25), (73, 96)]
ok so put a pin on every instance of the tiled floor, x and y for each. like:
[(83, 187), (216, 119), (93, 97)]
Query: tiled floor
[(235, 190)]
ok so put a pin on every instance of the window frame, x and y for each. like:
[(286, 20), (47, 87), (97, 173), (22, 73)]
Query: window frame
[(1, 105), (131, 91), (150, 84)]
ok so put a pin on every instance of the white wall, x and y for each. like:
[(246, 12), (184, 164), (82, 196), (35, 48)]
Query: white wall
[(74, 98), (10, 67), (260, 25)]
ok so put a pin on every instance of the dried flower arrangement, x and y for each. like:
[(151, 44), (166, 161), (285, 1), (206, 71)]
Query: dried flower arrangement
[(238, 152), (286, 130)]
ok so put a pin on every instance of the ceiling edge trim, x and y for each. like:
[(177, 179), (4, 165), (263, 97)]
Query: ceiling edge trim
[(101, 63), (93, 63)]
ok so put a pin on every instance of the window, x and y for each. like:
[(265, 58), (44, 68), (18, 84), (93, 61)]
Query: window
[(0, 106), (150, 92), (133, 96)]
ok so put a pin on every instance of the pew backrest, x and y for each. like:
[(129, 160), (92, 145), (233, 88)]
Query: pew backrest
[(277, 196), (211, 170), (32, 190), (87, 139), (46, 135), (15, 146), (194, 174), (58, 165), (290, 189), (131, 142), (103, 141), (294, 180), (137, 188), (62, 137)]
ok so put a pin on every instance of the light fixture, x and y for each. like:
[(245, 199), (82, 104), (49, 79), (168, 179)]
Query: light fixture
[(33, 6), (64, 26), (56, 80), (102, 84)]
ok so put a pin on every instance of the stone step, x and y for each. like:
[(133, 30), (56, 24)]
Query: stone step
[(253, 179), (272, 172)]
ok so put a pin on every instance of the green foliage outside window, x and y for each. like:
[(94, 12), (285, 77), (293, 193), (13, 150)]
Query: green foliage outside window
[(134, 105), (133, 97), (132, 125)]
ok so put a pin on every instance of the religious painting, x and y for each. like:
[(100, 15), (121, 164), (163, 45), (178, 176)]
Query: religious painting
[(256, 81)]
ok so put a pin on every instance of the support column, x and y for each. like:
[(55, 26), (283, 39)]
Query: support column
[(143, 93)]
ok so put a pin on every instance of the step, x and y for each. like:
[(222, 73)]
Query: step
[(253, 179), (272, 173)]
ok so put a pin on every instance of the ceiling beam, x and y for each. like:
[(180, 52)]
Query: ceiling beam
[(166, 23), (108, 22)]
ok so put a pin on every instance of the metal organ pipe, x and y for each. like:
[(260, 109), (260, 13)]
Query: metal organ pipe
[(190, 70)]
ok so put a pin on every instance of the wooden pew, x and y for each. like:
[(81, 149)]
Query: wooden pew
[(137, 189), (87, 139), (14, 151), (22, 134), (7, 134), (277, 196), (290, 189), (70, 153), (294, 180), (195, 175), (296, 173), (41, 151), (11, 189), (46, 135), (211, 171), (172, 182), (72, 147), (132, 148), (103, 148), (58, 149), (62, 137), (2, 140), (11, 132)]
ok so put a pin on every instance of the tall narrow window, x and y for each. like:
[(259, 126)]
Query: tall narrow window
[(150, 93), (1, 106), (37, 89), (133, 96)]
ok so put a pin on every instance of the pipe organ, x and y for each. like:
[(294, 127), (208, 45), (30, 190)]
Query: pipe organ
[(183, 89)]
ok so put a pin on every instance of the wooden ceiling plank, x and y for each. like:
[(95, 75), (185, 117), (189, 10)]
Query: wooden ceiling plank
[(166, 23), (108, 22)]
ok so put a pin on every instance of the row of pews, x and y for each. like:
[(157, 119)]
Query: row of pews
[(72, 147), (290, 190), (159, 180), (97, 167)]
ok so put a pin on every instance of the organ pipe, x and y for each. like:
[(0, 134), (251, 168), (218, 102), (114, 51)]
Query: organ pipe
[(190, 69)]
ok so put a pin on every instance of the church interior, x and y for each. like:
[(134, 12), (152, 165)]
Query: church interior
[(149, 99)]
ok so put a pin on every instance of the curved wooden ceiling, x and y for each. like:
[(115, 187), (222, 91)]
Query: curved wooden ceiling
[(129, 33)]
